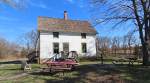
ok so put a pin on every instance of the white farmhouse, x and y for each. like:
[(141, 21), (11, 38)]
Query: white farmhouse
[(58, 35)]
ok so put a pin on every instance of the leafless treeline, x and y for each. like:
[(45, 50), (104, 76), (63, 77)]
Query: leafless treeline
[(26, 44), (7, 48), (126, 45)]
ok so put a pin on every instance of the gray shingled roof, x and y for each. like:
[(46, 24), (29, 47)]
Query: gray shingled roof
[(61, 25)]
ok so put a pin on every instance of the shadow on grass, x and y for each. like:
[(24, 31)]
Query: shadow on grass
[(138, 74), (40, 73), (93, 73), (11, 62), (10, 69)]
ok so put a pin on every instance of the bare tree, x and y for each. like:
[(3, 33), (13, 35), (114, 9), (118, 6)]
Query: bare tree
[(29, 40), (8, 48), (124, 44), (116, 41), (124, 11), (2, 47), (137, 51), (104, 44), (131, 41)]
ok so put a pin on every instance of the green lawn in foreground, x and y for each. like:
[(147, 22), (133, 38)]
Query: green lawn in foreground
[(86, 72)]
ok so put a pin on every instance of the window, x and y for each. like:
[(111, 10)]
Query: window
[(66, 47), (83, 35), (55, 34), (84, 48), (56, 48)]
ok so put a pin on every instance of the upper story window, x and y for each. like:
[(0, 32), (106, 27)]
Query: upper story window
[(56, 34), (83, 35)]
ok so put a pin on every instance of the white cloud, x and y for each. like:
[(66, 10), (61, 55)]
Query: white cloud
[(70, 1), (43, 6), (37, 4), (79, 3)]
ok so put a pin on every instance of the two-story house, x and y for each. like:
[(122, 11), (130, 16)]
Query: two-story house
[(65, 35)]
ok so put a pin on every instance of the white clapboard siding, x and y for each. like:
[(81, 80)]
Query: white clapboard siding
[(74, 40)]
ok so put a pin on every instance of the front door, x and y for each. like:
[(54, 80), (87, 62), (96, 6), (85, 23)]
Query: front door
[(56, 48)]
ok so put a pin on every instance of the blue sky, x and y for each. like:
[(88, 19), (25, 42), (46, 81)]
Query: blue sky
[(14, 23)]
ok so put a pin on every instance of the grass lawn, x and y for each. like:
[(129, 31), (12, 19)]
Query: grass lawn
[(86, 72)]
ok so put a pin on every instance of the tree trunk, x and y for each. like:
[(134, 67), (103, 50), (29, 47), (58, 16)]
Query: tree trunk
[(145, 55), (146, 43), (149, 35), (146, 26), (147, 38), (144, 48), (140, 26)]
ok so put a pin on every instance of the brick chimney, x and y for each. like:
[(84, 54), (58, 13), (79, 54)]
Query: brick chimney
[(65, 15)]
